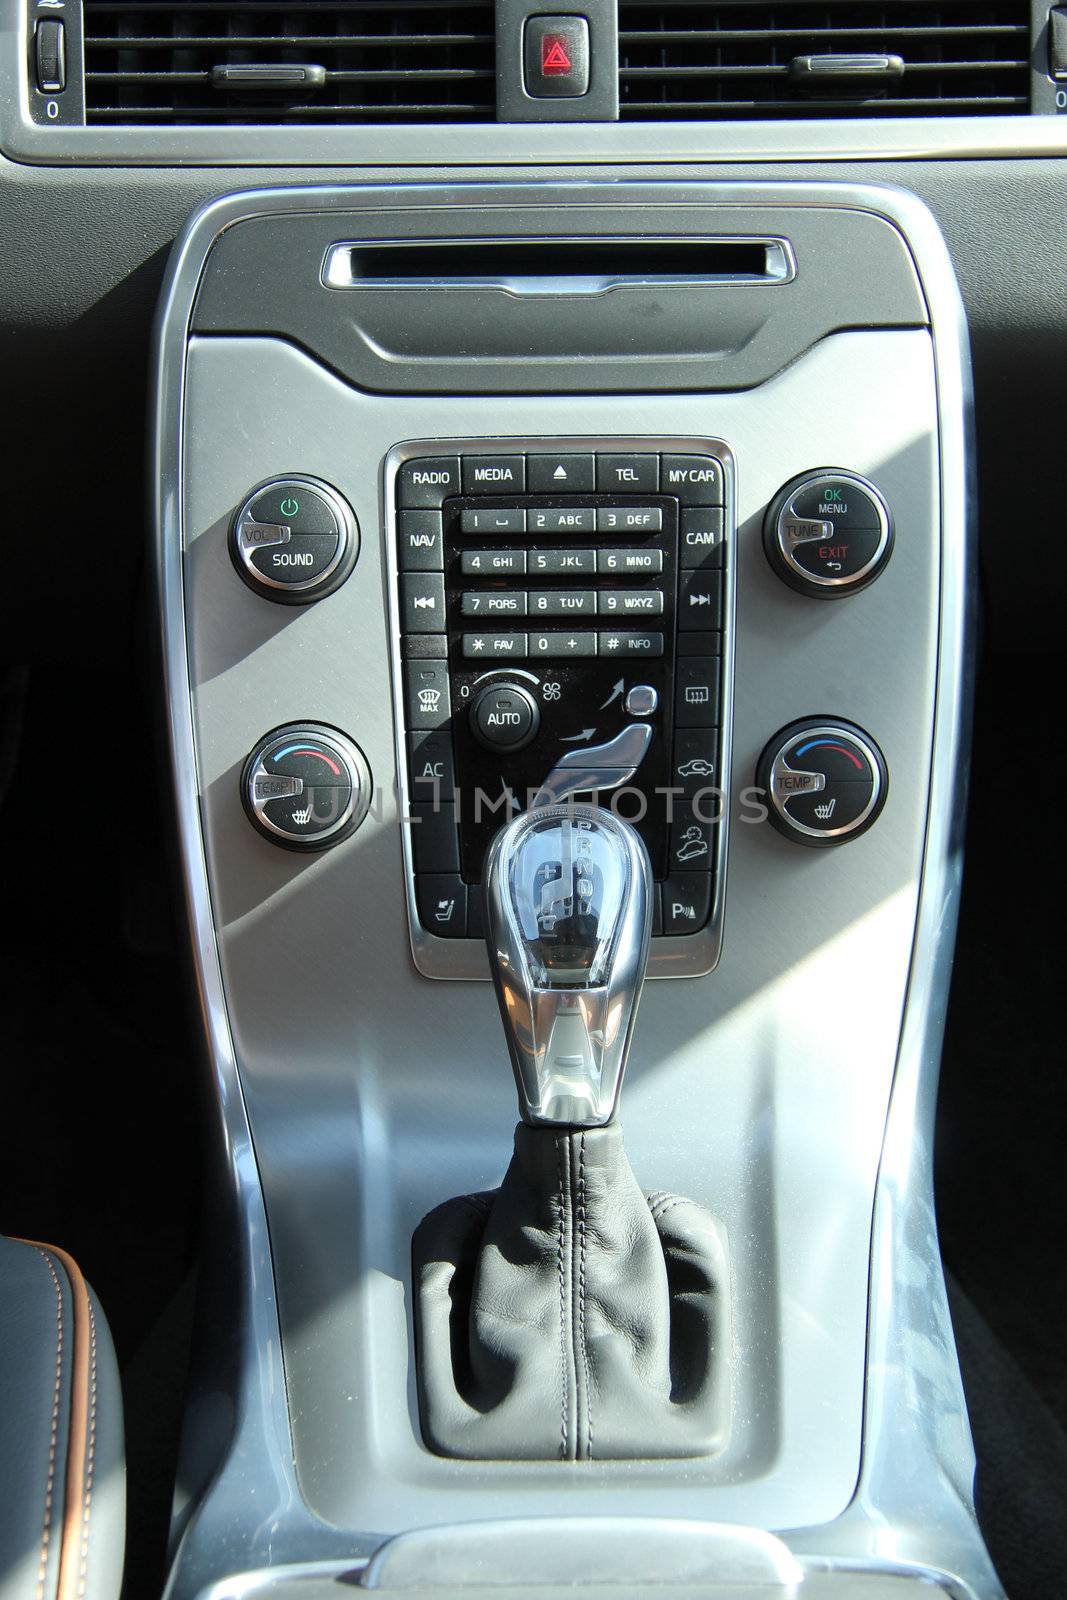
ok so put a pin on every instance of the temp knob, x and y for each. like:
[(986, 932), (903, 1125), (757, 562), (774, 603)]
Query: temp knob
[(505, 717), (828, 533), (825, 781), (306, 786), (294, 540)]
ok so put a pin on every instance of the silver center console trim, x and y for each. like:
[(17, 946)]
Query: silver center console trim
[(913, 1507), (691, 956)]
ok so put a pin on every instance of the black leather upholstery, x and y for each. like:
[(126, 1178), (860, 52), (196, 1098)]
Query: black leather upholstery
[(565, 1315), (62, 1476)]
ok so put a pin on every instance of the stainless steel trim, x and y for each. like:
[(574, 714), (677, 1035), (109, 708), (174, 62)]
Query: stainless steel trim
[(778, 767), (676, 955), (781, 267), (786, 540), (568, 1031), (347, 531)]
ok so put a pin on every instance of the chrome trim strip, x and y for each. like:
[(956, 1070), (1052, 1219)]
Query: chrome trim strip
[(678, 956), (781, 267)]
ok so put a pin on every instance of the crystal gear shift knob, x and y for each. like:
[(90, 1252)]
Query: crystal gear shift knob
[(568, 892)]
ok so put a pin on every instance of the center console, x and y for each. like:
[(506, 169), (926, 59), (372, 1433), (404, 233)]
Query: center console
[(646, 503)]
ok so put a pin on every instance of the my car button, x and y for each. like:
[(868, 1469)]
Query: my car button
[(695, 480), (825, 781), (556, 57)]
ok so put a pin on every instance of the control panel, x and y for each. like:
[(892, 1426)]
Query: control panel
[(563, 613)]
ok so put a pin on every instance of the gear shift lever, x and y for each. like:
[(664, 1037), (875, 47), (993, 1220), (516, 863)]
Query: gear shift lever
[(566, 1315), (569, 912)]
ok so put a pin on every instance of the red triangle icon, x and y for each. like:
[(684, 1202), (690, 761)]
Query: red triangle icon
[(554, 57)]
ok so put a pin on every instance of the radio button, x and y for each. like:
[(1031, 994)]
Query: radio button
[(427, 484)]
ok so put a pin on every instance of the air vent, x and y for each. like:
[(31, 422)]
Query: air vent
[(332, 61), (742, 59)]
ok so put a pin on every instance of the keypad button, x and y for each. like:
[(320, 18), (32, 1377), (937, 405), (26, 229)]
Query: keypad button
[(431, 766), (623, 519), (560, 474), (695, 766), (494, 474), (434, 839), (701, 537), (420, 542), (696, 692), (442, 903), (630, 602), (563, 563), (561, 646), (563, 603), (561, 519), (505, 519), (423, 646), (426, 694), (693, 836), (493, 563), (686, 901), (422, 602), (427, 483), (700, 600), (494, 646), (628, 642), (627, 474), (637, 562), (487, 603), (696, 480)]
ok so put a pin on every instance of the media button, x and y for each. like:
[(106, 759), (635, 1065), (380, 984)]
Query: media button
[(494, 474)]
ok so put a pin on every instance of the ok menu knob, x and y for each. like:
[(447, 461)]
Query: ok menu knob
[(828, 533)]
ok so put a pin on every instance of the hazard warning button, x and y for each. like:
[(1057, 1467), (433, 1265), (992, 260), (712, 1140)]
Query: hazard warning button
[(556, 57)]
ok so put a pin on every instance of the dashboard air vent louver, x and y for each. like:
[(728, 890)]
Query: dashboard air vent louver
[(742, 59), (313, 61)]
